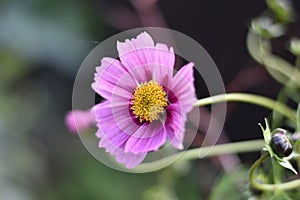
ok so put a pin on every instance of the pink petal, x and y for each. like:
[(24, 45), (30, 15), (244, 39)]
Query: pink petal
[(135, 54), (182, 96), (164, 60), (129, 159), (108, 77), (119, 129), (115, 136), (115, 127), (109, 108), (183, 87), (145, 60), (146, 138), (117, 112), (79, 121), (112, 137), (175, 125)]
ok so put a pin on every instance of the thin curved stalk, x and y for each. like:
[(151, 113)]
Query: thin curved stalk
[(252, 99), (270, 187)]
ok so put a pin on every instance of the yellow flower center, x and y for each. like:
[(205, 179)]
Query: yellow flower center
[(148, 102)]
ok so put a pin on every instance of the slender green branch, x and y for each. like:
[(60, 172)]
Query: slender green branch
[(250, 98), (270, 187), (208, 151)]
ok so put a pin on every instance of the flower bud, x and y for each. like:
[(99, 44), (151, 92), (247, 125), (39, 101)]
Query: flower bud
[(280, 144)]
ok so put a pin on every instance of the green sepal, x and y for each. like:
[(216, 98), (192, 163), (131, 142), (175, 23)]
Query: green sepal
[(267, 137), (284, 162)]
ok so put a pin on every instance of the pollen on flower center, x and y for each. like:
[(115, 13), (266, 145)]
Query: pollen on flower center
[(148, 102)]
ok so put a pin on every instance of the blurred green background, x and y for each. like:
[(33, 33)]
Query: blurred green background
[(42, 44)]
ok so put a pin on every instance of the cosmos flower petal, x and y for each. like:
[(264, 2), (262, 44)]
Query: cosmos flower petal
[(136, 55), (106, 116), (108, 108), (113, 127), (164, 60), (129, 159), (146, 61), (112, 138), (183, 87), (108, 76), (111, 130), (157, 59), (79, 121), (144, 140), (143, 41), (115, 136), (102, 110), (175, 125)]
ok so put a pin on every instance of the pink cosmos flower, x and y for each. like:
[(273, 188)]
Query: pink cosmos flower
[(144, 103)]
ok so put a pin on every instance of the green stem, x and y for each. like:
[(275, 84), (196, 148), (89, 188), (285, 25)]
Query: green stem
[(250, 98), (277, 170), (234, 147), (270, 187)]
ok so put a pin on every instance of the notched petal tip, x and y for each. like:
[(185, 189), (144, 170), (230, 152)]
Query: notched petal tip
[(143, 40), (145, 37)]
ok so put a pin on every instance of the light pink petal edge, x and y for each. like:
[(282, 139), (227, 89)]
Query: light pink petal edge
[(143, 59), (129, 159), (183, 87)]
